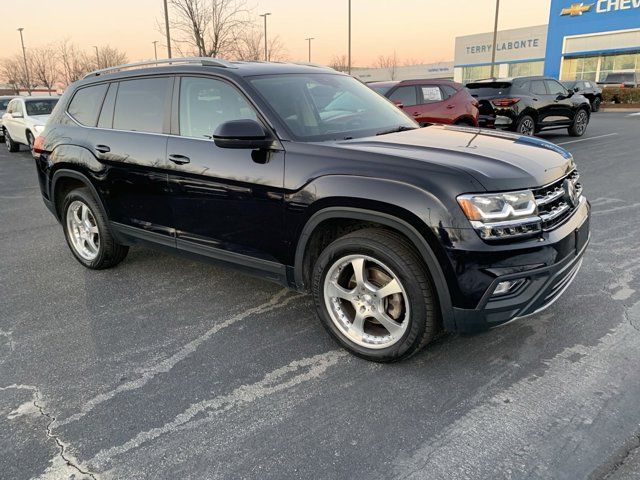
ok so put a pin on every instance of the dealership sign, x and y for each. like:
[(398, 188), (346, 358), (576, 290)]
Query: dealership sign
[(601, 6), (511, 45)]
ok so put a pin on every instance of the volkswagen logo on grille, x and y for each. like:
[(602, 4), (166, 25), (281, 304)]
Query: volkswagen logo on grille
[(570, 192)]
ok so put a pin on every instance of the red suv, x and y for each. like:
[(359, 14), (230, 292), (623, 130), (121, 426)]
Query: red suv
[(431, 101)]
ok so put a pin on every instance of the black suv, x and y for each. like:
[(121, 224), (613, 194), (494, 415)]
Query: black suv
[(527, 105), (398, 231), (588, 89)]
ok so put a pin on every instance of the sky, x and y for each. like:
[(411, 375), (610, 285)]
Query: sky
[(421, 31)]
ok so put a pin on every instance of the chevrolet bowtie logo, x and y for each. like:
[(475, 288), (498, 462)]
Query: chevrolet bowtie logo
[(576, 9)]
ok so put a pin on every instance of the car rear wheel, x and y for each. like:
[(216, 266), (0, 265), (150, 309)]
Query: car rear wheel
[(374, 296), (30, 140), (595, 106), (526, 125), (87, 233), (580, 123), (8, 141)]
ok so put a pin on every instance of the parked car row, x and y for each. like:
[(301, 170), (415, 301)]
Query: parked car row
[(525, 105)]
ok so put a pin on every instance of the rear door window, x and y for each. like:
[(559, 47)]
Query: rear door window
[(431, 94), (448, 90), (86, 103), (405, 95), (538, 87), (141, 104)]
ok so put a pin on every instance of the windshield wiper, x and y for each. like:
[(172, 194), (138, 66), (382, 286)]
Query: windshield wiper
[(401, 128)]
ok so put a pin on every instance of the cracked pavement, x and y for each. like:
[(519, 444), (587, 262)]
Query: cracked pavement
[(168, 368)]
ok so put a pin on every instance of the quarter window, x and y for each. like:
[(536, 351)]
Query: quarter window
[(86, 103), (404, 95), (141, 104), (205, 103)]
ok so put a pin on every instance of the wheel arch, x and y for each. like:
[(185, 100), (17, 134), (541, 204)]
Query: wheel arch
[(64, 180), (392, 222)]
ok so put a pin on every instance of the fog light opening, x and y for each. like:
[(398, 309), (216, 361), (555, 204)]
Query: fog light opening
[(508, 286)]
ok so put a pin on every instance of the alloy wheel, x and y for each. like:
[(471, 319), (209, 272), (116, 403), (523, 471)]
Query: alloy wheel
[(527, 127), (581, 121), (83, 231), (366, 301)]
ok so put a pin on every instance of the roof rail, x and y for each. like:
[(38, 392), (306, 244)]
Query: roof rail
[(309, 64), (205, 61)]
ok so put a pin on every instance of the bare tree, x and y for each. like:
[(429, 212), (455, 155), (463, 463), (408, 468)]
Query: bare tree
[(249, 45), (209, 27), (43, 66), (390, 63), (109, 57), (8, 69), (15, 73), (339, 63), (73, 64)]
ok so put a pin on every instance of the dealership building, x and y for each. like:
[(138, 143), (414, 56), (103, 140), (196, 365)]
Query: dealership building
[(583, 40)]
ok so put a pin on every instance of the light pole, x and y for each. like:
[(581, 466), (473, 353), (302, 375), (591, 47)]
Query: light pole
[(349, 49), (166, 25), (97, 57), (155, 48), (495, 39), (309, 40), (266, 54), (24, 57)]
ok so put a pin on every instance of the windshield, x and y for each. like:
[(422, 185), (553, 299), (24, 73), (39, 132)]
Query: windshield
[(40, 107), (326, 106)]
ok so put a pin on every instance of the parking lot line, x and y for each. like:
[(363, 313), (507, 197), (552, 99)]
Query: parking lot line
[(585, 139)]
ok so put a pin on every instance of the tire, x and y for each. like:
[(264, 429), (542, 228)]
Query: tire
[(30, 140), (87, 232), (595, 106), (464, 122), (526, 126), (580, 123), (8, 141), (411, 309)]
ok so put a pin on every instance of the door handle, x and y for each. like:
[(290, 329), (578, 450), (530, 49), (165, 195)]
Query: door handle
[(179, 159), (416, 114), (451, 106), (103, 148)]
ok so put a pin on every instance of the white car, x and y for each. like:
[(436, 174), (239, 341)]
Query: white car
[(25, 119)]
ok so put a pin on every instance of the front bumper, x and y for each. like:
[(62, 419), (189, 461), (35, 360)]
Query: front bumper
[(543, 285)]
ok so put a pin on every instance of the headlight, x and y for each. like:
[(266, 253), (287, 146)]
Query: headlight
[(39, 129), (502, 215)]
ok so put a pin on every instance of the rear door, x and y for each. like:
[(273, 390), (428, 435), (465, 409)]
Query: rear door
[(130, 140), (542, 100), (226, 203), (15, 126), (432, 106)]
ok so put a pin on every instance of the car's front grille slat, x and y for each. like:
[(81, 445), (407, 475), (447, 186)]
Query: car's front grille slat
[(555, 203)]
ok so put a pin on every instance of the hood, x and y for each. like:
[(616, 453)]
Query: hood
[(498, 160), (39, 119)]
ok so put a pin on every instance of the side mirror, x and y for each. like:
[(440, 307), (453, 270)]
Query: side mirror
[(400, 105), (17, 115), (247, 134)]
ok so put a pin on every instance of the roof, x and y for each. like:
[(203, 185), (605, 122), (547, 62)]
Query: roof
[(416, 81), (511, 79), (199, 64)]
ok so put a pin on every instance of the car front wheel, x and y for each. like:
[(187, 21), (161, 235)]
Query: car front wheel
[(580, 123), (87, 233), (374, 296), (8, 141), (30, 140), (595, 106)]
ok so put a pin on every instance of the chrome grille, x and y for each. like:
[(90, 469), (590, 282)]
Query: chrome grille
[(554, 200)]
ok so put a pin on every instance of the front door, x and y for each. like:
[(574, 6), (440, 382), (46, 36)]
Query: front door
[(561, 108), (226, 203)]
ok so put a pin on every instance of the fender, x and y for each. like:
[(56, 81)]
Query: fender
[(419, 242)]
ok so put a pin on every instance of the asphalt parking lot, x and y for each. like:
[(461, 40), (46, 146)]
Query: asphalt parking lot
[(168, 368)]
